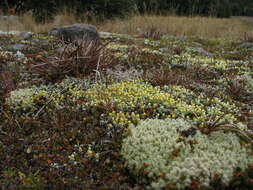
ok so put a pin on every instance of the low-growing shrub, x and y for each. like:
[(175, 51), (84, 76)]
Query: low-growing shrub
[(27, 102), (29, 181), (12, 70), (172, 154), (120, 104), (240, 88)]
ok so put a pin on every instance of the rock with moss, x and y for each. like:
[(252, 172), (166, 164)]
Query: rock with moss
[(172, 154)]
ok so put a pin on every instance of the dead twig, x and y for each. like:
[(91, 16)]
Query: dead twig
[(46, 104)]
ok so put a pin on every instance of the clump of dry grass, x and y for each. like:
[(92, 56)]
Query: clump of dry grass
[(12, 23), (167, 77), (75, 59), (247, 37), (151, 32), (63, 18), (208, 27), (6, 84), (174, 25), (27, 22)]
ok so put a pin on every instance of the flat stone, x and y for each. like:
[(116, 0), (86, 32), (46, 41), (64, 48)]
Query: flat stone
[(203, 52), (76, 32), (109, 35), (247, 44), (26, 35), (164, 50), (12, 32), (17, 47)]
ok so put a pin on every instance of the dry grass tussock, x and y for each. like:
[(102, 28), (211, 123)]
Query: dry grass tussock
[(174, 25), (26, 22), (208, 27), (74, 60)]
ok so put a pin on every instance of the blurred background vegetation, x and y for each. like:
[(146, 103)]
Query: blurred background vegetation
[(45, 10)]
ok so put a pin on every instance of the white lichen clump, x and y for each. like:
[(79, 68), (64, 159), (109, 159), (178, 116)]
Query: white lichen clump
[(157, 150)]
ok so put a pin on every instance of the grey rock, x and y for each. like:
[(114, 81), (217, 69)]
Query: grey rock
[(182, 37), (164, 50), (247, 44), (43, 43), (26, 35), (106, 33), (36, 40), (12, 32), (76, 32), (119, 37), (17, 47), (203, 52)]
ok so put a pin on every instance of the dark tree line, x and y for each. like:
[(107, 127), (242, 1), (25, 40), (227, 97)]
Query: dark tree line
[(46, 9), (219, 8)]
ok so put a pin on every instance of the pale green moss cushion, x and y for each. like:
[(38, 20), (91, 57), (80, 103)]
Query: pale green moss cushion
[(157, 150)]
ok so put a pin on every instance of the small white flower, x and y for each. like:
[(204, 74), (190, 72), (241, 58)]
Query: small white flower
[(20, 56)]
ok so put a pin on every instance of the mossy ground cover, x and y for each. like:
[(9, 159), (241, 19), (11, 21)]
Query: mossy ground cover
[(67, 132)]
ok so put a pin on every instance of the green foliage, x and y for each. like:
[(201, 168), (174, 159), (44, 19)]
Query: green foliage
[(71, 131), (101, 9), (30, 181), (121, 104), (84, 9), (220, 8), (173, 154), (42, 11)]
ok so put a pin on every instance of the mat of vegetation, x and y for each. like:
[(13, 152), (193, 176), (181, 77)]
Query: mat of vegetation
[(129, 112)]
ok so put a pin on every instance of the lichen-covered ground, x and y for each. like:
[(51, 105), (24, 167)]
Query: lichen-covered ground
[(64, 117)]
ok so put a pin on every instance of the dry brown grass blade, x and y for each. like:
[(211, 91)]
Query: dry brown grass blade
[(77, 59), (247, 37), (234, 128), (6, 83), (219, 125)]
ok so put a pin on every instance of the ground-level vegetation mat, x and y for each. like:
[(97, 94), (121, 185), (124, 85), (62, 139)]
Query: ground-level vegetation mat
[(129, 112)]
